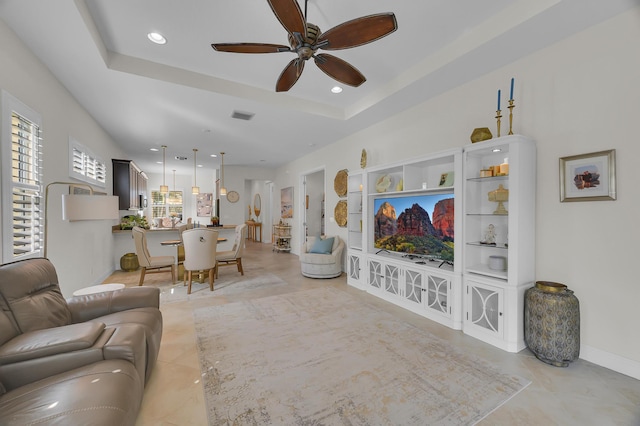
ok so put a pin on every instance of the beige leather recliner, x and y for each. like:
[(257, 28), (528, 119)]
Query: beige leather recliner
[(50, 346)]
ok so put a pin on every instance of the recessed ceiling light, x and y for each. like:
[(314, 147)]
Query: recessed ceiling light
[(336, 89), (157, 38), (158, 162), (214, 155), (153, 149), (496, 150)]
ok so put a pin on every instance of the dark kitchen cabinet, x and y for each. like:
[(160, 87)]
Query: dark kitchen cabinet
[(129, 184)]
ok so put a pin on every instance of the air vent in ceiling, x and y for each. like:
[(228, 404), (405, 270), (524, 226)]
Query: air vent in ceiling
[(242, 115)]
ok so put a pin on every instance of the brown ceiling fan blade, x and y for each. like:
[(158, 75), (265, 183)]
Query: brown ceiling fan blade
[(359, 31), (290, 75), (339, 70), (250, 47), (289, 14)]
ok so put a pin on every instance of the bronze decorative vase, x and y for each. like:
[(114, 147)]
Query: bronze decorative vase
[(129, 262), (552, 323)]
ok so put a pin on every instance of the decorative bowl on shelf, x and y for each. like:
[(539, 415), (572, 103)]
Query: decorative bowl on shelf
[(500, 196), (481, 134)]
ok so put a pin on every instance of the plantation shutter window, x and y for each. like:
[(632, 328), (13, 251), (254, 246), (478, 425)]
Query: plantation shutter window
[(22, 234), (86, 166), (166, 205)]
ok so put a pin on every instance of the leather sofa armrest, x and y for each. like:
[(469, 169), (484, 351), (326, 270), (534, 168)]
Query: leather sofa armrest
[(90, 306), (50, 341), (128, 342)]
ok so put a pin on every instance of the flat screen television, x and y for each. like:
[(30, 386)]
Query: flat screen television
[(420, 225)]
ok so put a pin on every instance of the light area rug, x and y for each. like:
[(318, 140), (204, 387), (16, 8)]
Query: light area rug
[(325, 357), (223, 286)]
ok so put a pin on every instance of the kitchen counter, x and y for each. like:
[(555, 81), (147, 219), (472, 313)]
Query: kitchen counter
[(116, 229), (123, 241)]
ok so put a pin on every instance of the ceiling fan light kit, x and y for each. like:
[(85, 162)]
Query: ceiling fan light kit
[(306, 38)]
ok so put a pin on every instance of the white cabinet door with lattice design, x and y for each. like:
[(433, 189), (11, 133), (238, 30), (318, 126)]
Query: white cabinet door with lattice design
[(484, 311), (355, 269)]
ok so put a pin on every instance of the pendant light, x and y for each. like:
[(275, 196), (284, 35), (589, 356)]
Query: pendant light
[(172, 195), (223, 190), (164, 189), (194, 189)]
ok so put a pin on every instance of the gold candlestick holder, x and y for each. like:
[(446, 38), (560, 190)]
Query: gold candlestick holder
[(498, 117), (511, 107)]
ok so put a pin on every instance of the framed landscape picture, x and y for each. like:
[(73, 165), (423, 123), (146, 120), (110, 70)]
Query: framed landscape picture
[(588, 177), (286, 203)]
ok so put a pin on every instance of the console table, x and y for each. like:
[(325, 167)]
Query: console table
[(252, 231)]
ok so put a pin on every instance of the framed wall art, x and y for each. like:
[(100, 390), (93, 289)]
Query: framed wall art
[(588, 177), (204, 204), (286, 203)]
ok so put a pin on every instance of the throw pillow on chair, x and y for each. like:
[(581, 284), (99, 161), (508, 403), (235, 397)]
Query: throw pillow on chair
[(321, 246)]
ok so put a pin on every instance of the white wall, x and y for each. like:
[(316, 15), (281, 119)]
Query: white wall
[(581, 95), (234, 179), (315, 192), (80, 251)]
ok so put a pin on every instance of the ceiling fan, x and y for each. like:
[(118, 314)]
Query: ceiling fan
[(305, 39)]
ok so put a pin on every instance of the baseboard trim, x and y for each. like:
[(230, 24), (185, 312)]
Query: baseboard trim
[(611, 361)]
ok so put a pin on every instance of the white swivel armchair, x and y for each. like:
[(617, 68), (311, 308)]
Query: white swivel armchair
[(319, 259), (148, 263), (200, 253)]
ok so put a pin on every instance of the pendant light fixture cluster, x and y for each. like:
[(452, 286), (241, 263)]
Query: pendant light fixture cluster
[(195, 189), (223, 190), (164, 189)]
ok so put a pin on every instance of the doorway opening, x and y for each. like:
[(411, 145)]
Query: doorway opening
[(312, 204)]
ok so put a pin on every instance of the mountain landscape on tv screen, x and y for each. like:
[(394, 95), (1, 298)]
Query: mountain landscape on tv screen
[(414, 231)]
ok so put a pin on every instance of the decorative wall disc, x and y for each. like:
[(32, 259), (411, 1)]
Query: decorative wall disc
[(340, 213), (340, 182)]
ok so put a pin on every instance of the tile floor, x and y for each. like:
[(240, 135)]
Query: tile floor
[(581, 394)]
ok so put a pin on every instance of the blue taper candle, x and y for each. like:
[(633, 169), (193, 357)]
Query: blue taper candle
[(511, 94), (498, 99)]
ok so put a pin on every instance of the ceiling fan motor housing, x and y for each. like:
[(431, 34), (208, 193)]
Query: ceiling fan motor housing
[(313, 31)]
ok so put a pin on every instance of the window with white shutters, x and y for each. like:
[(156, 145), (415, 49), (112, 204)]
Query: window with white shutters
[(22, 212), (85, 166), (166, 205)]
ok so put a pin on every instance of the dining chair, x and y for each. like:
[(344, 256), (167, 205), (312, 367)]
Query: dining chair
[(200, 253), (148, 263), (180, 251), (234, 256)]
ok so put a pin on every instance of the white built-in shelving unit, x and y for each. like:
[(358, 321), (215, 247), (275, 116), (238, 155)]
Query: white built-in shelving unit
[(470, 293)]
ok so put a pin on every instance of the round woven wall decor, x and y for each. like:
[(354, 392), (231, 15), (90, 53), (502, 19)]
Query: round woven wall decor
[(340, 182), (340, 213)]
